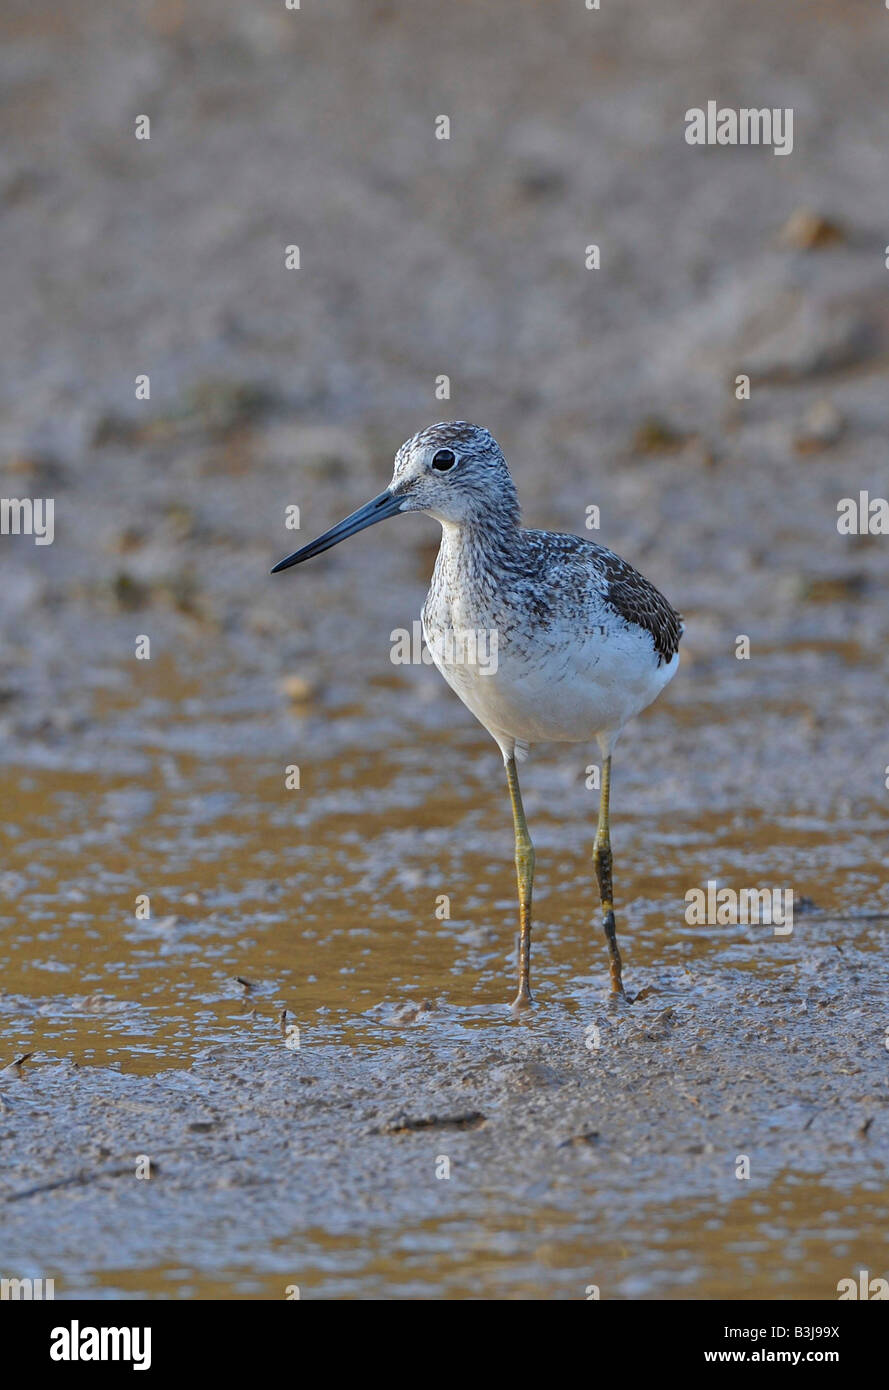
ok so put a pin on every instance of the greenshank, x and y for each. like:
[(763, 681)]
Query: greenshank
[(545, 637)]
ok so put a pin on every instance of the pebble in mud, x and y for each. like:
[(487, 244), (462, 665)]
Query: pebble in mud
[(808, 230), (410, 1012), (821, 427), (299, 689)]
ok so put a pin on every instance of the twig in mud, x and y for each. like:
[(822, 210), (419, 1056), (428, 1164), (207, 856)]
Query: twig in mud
[(470, 1119), (80, 1179), (589, 1136), (17, 1062)]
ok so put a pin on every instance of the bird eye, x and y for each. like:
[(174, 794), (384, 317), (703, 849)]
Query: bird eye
[(443, 460)]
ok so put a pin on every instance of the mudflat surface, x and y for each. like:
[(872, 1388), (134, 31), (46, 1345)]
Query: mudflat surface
[(420, 1141)]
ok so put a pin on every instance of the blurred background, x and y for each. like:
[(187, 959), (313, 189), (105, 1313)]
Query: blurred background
[(273, 387)]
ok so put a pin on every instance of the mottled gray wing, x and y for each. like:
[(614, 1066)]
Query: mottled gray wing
[(572, 561), (631, 596)]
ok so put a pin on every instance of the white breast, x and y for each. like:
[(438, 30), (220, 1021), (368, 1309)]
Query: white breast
[(556, 689)]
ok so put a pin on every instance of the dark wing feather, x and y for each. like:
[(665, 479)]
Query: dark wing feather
[(630, 595), (561, 557)]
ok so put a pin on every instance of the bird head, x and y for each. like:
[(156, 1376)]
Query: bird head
[(453, 471)]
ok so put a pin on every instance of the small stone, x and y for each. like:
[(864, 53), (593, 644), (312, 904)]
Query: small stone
[(656, 436), (409, 1012), (298, 689), (807, 230), (128, 592), (830, 588), (39, 469), (821, 426), (127, 540)]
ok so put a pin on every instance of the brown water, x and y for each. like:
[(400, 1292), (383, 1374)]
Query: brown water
[(322, 902), (786, 1243)]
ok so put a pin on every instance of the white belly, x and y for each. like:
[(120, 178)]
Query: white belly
[(561, 692)]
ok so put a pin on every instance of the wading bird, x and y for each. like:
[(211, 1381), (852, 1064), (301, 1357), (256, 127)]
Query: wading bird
[(583, 642)]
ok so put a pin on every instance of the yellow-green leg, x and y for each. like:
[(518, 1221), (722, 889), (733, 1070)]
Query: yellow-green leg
[(524, 864), (602, 862)]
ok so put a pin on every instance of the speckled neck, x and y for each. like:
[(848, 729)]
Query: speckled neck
[(483, 543)]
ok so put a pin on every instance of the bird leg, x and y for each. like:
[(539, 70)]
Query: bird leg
[(524, 863), (602, 863)]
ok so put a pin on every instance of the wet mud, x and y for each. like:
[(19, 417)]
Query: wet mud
[(319, 1070)]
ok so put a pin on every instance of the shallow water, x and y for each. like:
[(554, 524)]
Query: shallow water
[(325, 900), (321, 902), (785, 1243)]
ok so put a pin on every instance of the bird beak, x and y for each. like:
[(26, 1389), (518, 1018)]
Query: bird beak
[(376, 510)]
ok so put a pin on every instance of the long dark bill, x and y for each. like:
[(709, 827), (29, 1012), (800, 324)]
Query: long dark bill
[(377, 509)]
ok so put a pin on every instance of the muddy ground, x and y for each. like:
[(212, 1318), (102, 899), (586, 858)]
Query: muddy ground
[(420, 1141)]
